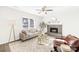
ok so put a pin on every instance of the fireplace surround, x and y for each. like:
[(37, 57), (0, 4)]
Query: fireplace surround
[(55, 30)]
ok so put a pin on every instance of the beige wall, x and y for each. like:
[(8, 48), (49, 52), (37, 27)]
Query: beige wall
[(69, 17), (9, 16)]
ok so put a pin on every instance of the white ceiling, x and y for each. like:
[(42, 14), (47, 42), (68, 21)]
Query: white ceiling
[(33, 9), (56, 9)]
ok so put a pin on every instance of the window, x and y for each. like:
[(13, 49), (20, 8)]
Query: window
[(25, 22), (31, 23), (28, 22)]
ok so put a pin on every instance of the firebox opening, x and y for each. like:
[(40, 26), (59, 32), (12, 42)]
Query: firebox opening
[(54, 30)]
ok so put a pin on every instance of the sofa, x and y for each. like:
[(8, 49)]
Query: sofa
[(28, 34)]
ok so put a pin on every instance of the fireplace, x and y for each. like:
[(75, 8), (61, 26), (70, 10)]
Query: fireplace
[(54, 30)]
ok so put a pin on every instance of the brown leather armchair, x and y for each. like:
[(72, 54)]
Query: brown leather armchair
[(69, 40), (73, 42)]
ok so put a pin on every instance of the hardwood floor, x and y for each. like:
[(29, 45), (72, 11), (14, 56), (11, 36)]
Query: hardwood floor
[(29, 46)]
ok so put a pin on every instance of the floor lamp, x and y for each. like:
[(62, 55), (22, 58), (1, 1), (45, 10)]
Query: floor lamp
[(12, 31)]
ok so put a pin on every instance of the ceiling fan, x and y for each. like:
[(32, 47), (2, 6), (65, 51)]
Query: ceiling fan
[(44, 9)]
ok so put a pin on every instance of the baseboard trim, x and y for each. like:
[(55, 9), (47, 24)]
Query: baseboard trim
[(11, 42)]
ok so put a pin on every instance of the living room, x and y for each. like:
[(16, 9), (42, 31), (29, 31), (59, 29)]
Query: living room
[(17, 19)]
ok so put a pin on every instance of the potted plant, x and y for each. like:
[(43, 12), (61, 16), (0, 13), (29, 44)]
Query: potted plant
[(42, 26), (42, 36)]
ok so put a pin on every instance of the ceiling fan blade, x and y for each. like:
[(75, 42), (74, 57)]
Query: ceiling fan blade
[(49, 10)]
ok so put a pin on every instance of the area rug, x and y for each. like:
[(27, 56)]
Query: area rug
[(4, 48)]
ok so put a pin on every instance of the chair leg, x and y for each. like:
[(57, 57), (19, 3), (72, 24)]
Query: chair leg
[(55, 49), (77, 50)]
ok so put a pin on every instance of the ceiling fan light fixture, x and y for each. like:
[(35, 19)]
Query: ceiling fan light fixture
[(44, 9)]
